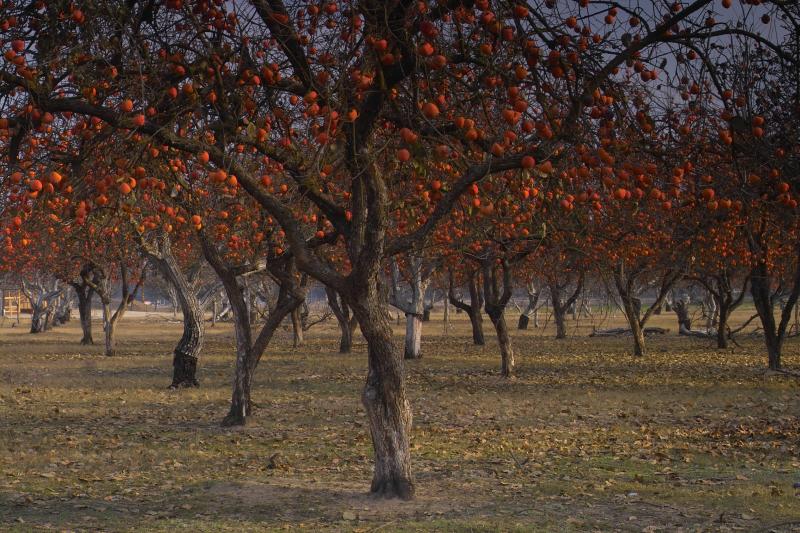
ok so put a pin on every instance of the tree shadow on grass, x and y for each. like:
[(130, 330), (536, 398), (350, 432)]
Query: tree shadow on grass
[(271, 503)]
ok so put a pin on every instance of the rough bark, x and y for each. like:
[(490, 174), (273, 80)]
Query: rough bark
[(762, 298), (42, 296), (347, 322), (62, 310), (411, 301), (241, 404), (681, 308), (722, 327), (533, 301), (720, 287), (190, 345), (495, 301), (101, 285), (560, 318), (384, 398), (38, 315), (507, 362), (249, 349), (109, 339), (618, 332), (473, 308), (563, 303), (631, 311), (413, 337), (298, 338), (625, 282)]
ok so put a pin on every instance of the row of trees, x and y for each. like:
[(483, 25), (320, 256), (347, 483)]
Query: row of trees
[(358, 143)]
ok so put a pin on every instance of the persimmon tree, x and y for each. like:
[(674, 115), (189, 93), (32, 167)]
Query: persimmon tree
[(562, 262), (471, 278), (746, 117), (409, 297), (322, 92)]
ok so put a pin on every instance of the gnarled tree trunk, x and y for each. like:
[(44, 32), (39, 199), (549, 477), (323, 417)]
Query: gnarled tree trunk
[(190, 345), (562, 305), (38, 318), (681, 308), (720, 287), (347, 322), (473, 308), (42, 296), (298, 338), (291, 294), (625, 282), (533, 301), (774, 334), (412, 301), (384, 396), (495, 301), (100, 284)]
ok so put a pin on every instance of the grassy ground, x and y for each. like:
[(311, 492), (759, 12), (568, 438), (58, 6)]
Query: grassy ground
[(584, 438)]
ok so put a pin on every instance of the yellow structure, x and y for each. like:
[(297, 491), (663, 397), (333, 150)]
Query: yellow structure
[(14, 302)]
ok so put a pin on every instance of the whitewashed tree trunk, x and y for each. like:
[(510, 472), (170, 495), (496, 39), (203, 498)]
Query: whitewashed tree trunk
[(411, 301)]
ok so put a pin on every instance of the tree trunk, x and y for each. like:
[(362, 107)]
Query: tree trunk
[(110, 341), (249, 350), (446, 318), (297, 329), (722, 326), (560, 316), (533, 300), (638, 339), (506, 350), (413, 338), (475, 314), (85, 313), (564, 302), (631, 307), (38, 317), (631, 313), (347, 322), (476, 321), (411, 303), (760, 290), (62, 310), (774, 348), (682, 311), (48, 318), (346, 340), (187, 352), (384, 397), (473, 309), (241, 405), (496, 298), (189, 347)]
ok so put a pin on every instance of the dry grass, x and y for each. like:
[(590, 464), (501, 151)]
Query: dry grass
[(584, 438)]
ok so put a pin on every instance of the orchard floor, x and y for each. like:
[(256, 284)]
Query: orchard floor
[(585, 438)]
